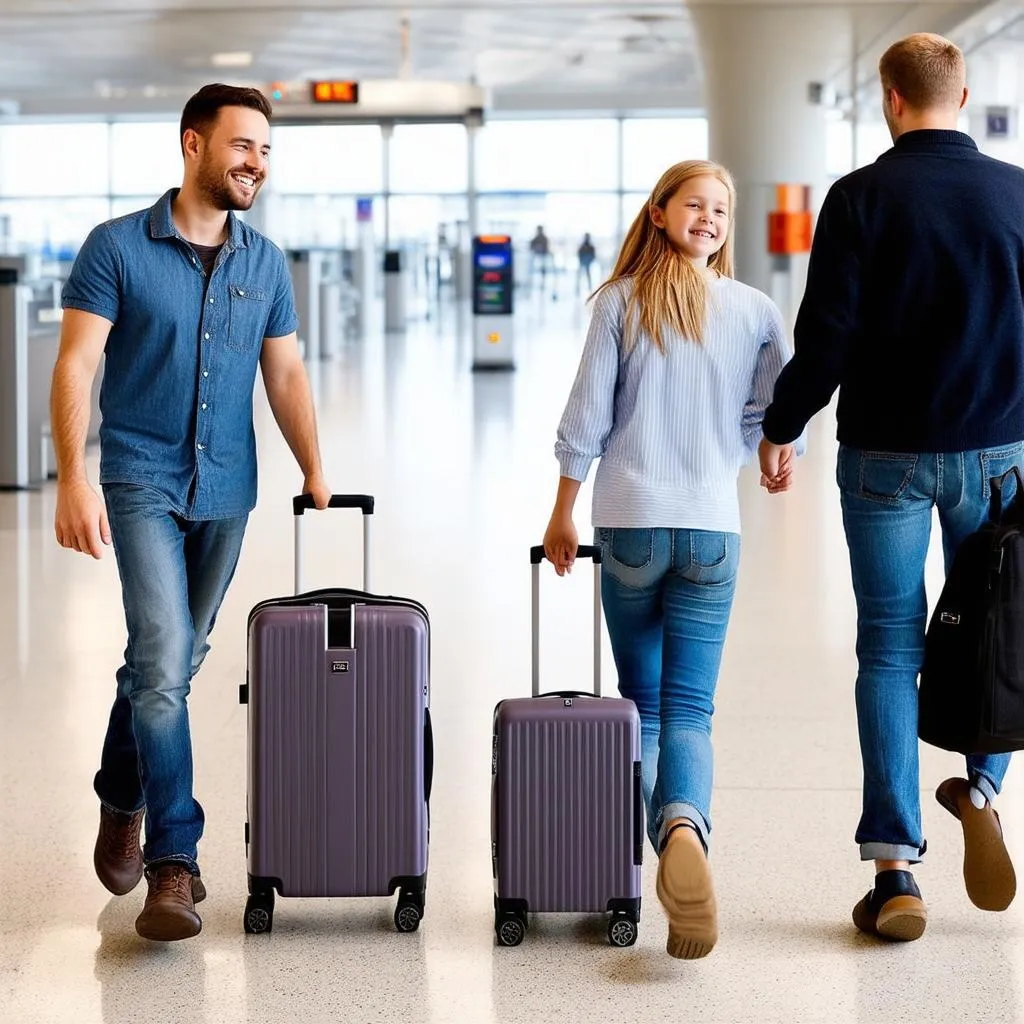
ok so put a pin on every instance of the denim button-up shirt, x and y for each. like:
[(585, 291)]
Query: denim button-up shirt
[(181, 358)]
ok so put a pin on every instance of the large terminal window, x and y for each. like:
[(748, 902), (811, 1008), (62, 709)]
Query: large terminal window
[(651, 145), (548, 156), (429, 159), (53, 160), (145, 158), (54, 185), (325, 159)]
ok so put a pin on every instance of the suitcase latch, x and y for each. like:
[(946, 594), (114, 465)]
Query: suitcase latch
[(949, 619), (567, 702)]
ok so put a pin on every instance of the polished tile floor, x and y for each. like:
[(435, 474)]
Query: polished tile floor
[(464, 475)]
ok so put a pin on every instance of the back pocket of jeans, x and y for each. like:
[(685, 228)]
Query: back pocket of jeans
[(885, 477), (633, 548), (997, 461)]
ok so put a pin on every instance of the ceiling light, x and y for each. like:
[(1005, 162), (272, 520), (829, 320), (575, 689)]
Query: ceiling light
[(235, 59)]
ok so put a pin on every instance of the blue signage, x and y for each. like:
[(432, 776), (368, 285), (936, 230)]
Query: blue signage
[(492, 275)]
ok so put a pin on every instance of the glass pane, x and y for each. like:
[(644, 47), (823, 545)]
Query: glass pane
[(650, 146), (52, 227), (838, 148), (328, 159), (296, 221), (121, 206), (429, 158), (54, 160), (632, 204), (873, 139), (145, 158), (420, 218), (547, 156), (565, 217)]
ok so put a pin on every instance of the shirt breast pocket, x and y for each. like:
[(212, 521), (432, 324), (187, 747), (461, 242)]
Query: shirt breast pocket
[(249, 311)]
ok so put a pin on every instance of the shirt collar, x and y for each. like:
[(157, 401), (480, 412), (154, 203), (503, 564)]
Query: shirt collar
[(161, 223)]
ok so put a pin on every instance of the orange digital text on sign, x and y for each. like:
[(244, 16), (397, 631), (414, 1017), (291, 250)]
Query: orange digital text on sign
[(336, 92)]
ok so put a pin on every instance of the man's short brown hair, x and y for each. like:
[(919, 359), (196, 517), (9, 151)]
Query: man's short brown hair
[(201, 111), (928, 71)]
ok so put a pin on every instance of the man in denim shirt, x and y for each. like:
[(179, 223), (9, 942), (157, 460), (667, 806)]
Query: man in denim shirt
[(185, 300)]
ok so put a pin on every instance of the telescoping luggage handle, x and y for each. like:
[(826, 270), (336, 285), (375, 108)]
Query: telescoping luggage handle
[(536, 557), (302, 502)]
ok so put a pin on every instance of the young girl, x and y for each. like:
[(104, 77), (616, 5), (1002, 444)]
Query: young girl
[(678, 368)]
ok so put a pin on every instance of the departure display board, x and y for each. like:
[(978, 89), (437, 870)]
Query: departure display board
[(335, 92)]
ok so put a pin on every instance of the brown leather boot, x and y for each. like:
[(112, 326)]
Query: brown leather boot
[(118, 854), (170, 910)]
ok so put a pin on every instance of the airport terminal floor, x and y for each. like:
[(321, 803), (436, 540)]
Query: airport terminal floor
[(462, 468)]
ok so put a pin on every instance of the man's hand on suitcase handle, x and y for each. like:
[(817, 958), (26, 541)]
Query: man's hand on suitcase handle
[(315, 486), (80, 521)]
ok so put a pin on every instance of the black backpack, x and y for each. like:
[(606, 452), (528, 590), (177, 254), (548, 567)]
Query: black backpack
[(971, 698)]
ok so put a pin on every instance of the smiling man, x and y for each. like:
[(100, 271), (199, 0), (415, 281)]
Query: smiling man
[(186, 301)]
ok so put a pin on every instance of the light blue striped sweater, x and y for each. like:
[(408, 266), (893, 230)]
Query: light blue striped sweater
[(672, 430)]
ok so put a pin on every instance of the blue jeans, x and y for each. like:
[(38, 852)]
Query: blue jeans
[(174, 573), (667, 595), (887, 501)]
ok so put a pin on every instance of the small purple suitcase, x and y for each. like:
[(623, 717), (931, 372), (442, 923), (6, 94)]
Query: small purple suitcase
[(339, 745), (567, 817)]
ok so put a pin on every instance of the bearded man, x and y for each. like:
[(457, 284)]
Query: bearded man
[(185, 301)]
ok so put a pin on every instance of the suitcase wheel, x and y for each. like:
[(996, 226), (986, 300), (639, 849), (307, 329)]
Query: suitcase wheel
[(259, 913), (510, 928), (622, 930), (408, 914)]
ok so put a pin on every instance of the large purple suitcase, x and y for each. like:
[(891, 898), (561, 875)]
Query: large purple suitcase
[(567, 817), (339, 745)]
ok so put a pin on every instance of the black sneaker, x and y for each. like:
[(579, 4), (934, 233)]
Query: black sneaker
[(893, 909)]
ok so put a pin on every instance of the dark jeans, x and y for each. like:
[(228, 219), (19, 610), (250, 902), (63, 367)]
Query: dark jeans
[(174, 574)]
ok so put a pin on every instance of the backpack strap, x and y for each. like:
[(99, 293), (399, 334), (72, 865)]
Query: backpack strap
[(1015, 513)]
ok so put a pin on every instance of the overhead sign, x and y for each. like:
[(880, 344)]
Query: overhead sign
[(323, 99), (335, 92)]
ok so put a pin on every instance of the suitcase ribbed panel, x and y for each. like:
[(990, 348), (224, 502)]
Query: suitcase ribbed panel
[(564, 816), (288, 749), (379, 830), (336, 757)]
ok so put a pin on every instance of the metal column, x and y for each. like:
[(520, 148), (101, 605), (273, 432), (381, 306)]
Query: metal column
[(305, 270), (14, 461)]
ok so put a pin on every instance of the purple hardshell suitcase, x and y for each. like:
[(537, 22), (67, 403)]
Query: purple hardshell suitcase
[(567, 817), (340, 754)]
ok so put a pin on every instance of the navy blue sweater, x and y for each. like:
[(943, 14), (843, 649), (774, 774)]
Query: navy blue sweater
[(914, 305)]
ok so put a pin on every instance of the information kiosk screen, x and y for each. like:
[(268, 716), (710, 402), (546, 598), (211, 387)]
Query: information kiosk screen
[(492, 275)]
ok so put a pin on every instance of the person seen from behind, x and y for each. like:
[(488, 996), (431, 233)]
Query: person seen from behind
[(914, 310)]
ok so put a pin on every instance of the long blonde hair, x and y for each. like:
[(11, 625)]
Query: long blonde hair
[(668, 290)]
